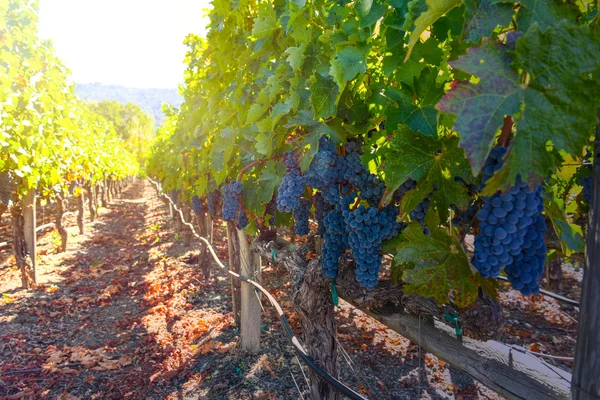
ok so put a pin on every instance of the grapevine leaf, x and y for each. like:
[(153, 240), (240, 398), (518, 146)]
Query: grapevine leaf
[(430, 162), (570, 240), (481, 108), (369, 11), (441, 267), (296, 56), (324, 93), (483, 16), (347, 63), (266, 24), (559, 102), (435, 10), (544, 13)]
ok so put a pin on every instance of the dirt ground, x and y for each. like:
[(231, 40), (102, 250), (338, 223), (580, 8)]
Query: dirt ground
[(124, 314)]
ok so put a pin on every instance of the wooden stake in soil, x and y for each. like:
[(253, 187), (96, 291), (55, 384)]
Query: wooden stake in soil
[(60, 211), (233, 249), (250, 313), (29, 215), (586, 371), (80, 203)]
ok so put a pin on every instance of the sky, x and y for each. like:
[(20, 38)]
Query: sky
[(133, 43)]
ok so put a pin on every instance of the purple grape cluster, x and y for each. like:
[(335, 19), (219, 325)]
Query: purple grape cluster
[(586, 193), (271, 209), (197, 205), (511, 229), (419, 212), (367, 228), (231, 200), (301, 214), (292, 185), (213, 200), (336, 238)]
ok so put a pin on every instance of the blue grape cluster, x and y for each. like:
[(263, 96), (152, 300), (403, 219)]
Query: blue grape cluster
[(271, 209), (586, 193), (406, 187), (321, 207), (242, 219), (492, 164), (419, 212), (464, 217), (528, 266), (231, 200), (336, 238), (367, 228), (213, 200), (357, 176), (511, 230), (301, 214), (197, 205), (292, 185)]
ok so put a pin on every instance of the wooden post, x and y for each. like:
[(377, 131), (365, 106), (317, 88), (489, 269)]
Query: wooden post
[(60, 211), (586, 371), (233, 249), (80, 203), (29, 215), (90, 190), (250, 313)]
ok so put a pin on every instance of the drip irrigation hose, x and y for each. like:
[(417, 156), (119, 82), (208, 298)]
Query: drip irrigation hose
[(310, 362)]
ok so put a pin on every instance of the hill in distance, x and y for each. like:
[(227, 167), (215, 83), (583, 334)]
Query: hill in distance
[(150, 100)]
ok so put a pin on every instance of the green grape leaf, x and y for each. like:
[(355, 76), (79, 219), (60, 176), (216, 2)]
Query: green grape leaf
[(481, 108), (570, 240), (483, 16), (435, 10), (558, 103), (369, 11), (324, 92), (544, 13), (347, 63), (429, 161), (296, 56), (266, 24), (441, 266)]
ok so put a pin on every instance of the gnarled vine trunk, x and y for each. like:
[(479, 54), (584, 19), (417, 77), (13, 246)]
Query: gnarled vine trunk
[(204, 224), (187, 232), (20, 250), (104, 198), (311, 298), (80, 210), (60, 211), (91, 198)]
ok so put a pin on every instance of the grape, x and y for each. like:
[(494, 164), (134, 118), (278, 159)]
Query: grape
[(301, 214), (321, 207), (292, 185), (271, 209), (336, 239), (357, 176), (214, 198), (242, 219), (492, 164), (406, 187), (367, 228), (528, 266), (231, 200), (197, 205), (419, 212), (586, 193)]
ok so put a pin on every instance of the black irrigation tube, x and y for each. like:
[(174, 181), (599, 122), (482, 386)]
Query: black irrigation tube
[(286, 326)]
